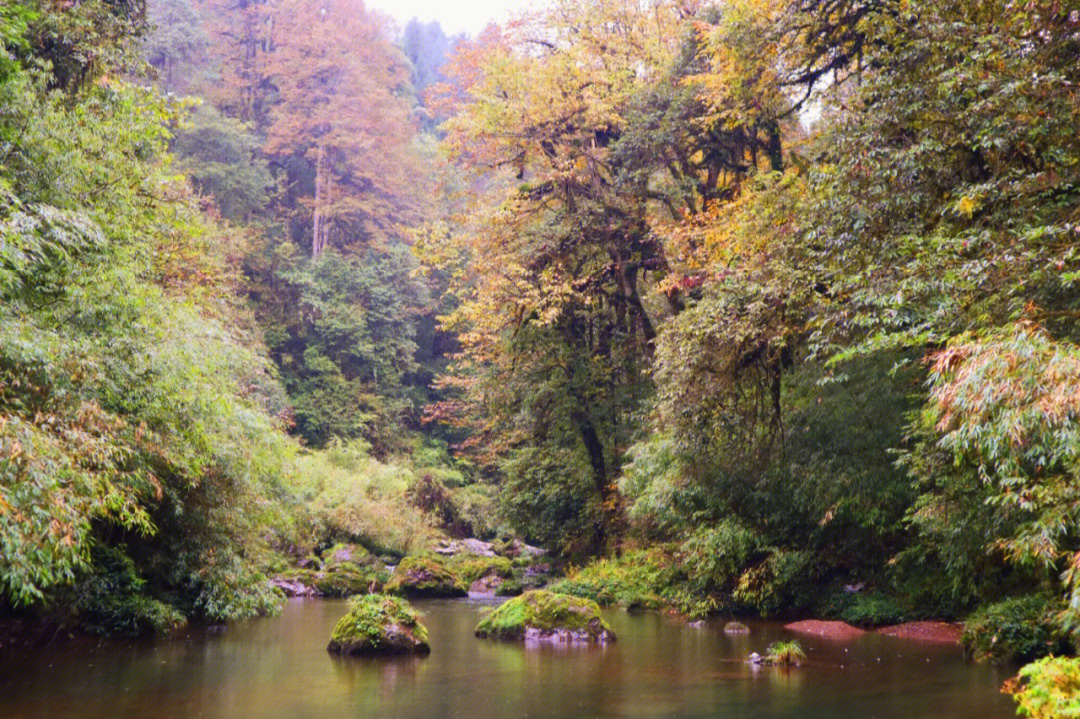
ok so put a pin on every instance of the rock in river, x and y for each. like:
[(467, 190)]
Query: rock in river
[(541, 616), (420, 576), (379, 624)]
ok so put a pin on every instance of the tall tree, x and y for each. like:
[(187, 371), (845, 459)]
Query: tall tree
[(340, 107)]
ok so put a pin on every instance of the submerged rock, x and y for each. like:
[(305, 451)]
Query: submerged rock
[(736, 628), (425, 577), (541, 616), (379, 624)]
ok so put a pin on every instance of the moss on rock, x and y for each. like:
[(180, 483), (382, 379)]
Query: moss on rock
[(348, 553), (379, 624), (424, 576), (545, 616), (337, 580), (472, 568)]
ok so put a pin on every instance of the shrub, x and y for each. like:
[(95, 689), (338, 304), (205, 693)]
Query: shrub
[(782, 580), (636, 580), (713, 556), (872, 608), (1048, 689), (1016, 629), (111, 599)]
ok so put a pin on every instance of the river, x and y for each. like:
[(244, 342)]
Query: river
[(279, 668)]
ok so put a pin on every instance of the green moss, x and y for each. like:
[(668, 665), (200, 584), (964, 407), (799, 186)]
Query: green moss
[(542, 615), (338, 580), (425, 576), (1017, 629), (470, 567), (379, 624), (349, 553)]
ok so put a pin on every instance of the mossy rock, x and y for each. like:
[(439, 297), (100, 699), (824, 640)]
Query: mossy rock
[(379, 624), (349, 554), (345, 580), (341, 580), (422, 576), (471, 568), (547, 617), (736, 628)]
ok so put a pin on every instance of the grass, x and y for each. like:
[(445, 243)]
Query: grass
[(355, 495), (352, 495), (785, 654), (636, 580)]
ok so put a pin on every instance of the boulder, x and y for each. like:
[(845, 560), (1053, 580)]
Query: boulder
[(335, 580), (541, 616), (736, 628), (379, 624), (421, 576), (293, 587), (486, 586)]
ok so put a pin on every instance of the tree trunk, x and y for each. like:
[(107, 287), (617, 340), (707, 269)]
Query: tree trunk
[(316, 230), (595, 448)]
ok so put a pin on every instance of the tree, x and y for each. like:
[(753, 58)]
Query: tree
[(177, 38), (339, 109), (221, 157)]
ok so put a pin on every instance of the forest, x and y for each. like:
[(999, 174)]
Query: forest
[(746, 308)]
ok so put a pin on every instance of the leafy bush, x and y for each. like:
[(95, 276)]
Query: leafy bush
[(713, 556), (110, 600), (872, 608), (359, 498), (782, 580), (1016, 629), (1048, 689), (636, 580)]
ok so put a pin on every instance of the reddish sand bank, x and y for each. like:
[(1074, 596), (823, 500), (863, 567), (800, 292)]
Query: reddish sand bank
[(925, 631), (826, 630)]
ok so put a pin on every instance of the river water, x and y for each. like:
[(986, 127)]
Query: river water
[(279, 668)]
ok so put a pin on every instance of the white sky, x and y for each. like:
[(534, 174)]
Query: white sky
[(455, 16)]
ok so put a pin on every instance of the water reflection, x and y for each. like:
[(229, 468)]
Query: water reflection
[(659, 667)]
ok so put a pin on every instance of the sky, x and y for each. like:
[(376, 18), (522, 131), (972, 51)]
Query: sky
[(455, 16)]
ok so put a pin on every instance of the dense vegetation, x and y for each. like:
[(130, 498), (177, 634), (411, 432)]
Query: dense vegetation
[(755, 306)]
